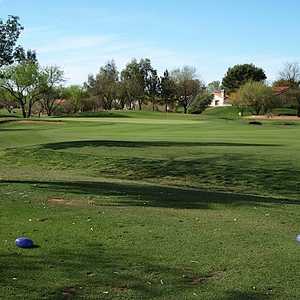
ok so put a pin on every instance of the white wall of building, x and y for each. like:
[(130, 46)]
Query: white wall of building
[(219, 99)]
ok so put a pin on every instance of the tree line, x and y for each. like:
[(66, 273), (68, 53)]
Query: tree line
[(35, 89), (247, 88), (139, 84), (26, 85)]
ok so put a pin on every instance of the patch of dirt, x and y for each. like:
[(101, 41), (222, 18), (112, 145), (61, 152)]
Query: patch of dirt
[(30, 122), (57, 201), (193, 279), (122, 289), (67, 202), (69, 293), (91, 202), (282, 118)]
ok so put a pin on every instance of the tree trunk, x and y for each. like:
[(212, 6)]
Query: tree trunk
[(23, 109), (185, 104), (122, 104), (185, 109), (50, 108), (29, 110), (140, 104), (110, 104), (242, 112)]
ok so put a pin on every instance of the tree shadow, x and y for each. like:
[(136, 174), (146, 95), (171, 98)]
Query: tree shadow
[(15, 129), (144, 144), (239, 295), (10, 117), (89, 269), (229, 171), (100, 114), (6, 121), (131, 194)]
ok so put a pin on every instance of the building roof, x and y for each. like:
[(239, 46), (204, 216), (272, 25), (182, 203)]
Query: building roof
[(279, 90), (220, 93), (60, 101)]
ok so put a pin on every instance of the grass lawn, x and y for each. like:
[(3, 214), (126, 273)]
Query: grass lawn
[(150, 206)]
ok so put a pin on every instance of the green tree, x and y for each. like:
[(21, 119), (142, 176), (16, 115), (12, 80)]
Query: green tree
[(187, 86), (22, 82), (7, 101), (241, 74), (133, 82), (141, 82), (201, 103), (94, 99), (214, 86), (122, 94), (153, 88), (50, 88), (10, 31), (21, 55), (106, 83), (75, 94), (149, 81), (104, 86), (168, 90), (256, 96)]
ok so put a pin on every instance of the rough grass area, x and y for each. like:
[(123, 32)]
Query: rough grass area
[(150, 207)]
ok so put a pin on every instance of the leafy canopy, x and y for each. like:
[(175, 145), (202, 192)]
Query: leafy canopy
[(9, 34), (255, 95), (201, 103), (241, 74)]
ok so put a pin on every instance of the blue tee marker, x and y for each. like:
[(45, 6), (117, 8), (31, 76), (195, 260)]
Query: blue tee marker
[(24, 242)]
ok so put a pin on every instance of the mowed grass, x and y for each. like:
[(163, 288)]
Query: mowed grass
[(150, 206)]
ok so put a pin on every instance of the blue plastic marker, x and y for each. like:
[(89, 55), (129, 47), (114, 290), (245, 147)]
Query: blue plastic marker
[(24, 242)]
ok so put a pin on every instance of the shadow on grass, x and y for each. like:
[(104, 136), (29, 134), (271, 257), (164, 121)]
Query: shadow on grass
[(91, 270), (143, 144), (5, 121), (239, 295), (2, 116), (15, 129), (230, 172), (101, 114), (129, 194)]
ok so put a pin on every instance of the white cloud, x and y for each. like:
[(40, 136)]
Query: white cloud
[(73, 43), (82, 55), (33, 30)]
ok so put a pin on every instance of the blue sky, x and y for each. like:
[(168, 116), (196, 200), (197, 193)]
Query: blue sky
[(212, 35)]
